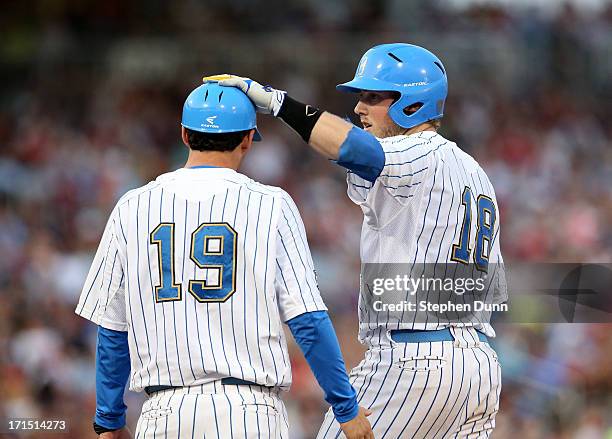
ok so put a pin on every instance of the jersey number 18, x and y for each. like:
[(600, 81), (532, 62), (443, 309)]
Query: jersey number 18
[(484, 232)]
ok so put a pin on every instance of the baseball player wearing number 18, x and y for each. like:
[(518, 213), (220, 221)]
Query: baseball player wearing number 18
[(424, 200), (194, 276)]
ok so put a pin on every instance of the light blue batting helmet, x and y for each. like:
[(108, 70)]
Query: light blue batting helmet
[(212, 108), (416, 73)]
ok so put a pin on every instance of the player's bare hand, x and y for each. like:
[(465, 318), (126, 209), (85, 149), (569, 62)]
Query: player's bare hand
[(358, 427), (122, 433), (266, 99)]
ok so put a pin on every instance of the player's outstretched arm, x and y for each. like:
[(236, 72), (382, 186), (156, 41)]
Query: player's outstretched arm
[(329, 135), (112, 372)]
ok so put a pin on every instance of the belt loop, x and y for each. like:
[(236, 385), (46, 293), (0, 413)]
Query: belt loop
[(465, 337), (391, 341)]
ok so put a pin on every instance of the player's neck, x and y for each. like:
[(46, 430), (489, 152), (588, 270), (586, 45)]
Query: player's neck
[(421, 127), (214, 158)]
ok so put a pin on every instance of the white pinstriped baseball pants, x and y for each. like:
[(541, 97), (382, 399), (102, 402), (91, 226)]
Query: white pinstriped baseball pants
[(427, 390), (215, 411)]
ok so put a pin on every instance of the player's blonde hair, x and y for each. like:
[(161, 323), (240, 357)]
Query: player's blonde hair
[(436, 123)]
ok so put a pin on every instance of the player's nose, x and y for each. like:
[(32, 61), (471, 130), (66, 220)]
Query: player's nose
[(360, 108)]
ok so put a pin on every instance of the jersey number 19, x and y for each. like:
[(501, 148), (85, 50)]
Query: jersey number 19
[(213, 249)]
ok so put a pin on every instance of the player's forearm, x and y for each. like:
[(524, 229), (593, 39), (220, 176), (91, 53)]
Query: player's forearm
[(335, 138), (328, 135), (316, 337), (112, 372)]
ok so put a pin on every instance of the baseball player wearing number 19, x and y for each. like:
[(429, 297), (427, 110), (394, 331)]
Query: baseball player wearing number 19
[(195, 274), (424, 200)]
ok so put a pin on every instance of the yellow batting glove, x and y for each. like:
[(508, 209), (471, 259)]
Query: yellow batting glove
[(216, 78)]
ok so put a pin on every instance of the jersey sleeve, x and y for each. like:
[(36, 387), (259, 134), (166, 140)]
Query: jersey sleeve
[(358, 187), (407, 164), (296, 286), (102, 299)]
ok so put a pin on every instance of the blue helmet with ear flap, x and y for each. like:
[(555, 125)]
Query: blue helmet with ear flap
[(212, 108), (412, 71)]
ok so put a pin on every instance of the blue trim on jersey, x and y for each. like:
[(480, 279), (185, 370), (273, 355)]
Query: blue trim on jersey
[(202, 166), (314, 333), (112, 372), (361, 153)]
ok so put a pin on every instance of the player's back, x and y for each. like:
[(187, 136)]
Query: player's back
[(199, 249)]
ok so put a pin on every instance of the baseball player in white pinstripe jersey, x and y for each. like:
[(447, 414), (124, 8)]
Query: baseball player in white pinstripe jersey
[(424, 200), (193, 278)]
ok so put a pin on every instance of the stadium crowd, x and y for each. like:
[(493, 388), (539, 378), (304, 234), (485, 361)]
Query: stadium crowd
[(88, 112)]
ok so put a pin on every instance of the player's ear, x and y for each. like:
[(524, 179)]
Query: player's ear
[(184, 137), (247, 141)]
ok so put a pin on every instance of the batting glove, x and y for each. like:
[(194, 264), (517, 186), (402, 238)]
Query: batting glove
[(266, 99)]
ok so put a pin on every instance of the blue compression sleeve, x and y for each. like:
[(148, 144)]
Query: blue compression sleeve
[(112, 372), (314, 333), (361, 153)]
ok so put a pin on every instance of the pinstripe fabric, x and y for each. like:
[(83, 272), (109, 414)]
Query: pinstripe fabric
[(413, 214), (185, 342), (427, 390), (214, 411)]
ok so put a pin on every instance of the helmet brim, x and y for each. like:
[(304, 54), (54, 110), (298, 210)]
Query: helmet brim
[(358, 84)]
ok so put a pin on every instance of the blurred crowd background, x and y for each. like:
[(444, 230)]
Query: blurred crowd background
[(90, 107)]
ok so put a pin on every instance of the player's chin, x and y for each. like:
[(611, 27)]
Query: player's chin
[(370, 129)]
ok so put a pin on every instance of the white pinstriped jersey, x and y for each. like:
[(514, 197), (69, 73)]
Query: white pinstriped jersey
[(201, 267), (414, 214)]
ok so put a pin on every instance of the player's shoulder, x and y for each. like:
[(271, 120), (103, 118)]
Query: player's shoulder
[(258, 187), (282, 202), (134, 193), (265, 189), (281, 195), (414, 145), (420, 149), (460, 155), (458, 158)]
